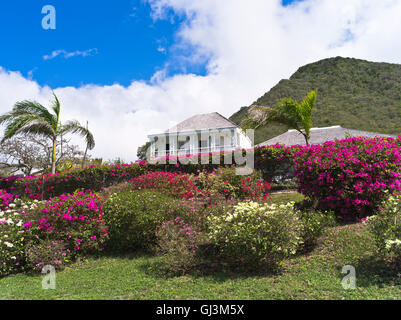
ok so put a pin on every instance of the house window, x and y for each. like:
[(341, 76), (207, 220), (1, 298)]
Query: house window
[(182, 143), (233, 140), (222, 143)]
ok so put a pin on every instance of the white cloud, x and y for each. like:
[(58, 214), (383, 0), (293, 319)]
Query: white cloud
[(68, 55), (250, 46)]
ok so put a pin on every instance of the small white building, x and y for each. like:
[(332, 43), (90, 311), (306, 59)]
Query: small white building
[(202, 133)]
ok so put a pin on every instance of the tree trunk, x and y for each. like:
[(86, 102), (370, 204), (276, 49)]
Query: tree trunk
[(86, 149), (306, 139), (54, 156), (84, 158)]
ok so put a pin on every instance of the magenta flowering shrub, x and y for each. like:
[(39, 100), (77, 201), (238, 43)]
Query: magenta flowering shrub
[(350, 176), (5, 199), (76, 219)]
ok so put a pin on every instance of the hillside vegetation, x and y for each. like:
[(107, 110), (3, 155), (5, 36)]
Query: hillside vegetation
[(353, 93)]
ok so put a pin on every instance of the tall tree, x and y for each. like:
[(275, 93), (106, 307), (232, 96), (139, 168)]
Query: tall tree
[(289, 112), (30, 117)]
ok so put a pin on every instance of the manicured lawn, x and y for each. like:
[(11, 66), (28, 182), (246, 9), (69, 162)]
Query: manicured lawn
[(285, 196)]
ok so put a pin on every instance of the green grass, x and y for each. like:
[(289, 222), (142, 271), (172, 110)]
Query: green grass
[(316, 275), (285, 196)]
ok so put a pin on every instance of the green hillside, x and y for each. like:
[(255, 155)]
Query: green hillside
[(353, 93)]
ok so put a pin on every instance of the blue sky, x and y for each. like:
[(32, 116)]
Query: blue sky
[(217, 57), (125, 43)]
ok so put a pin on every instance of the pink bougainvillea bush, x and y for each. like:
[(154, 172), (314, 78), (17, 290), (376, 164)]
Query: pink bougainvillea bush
[(5, 199), (350, 176), (76, 219)]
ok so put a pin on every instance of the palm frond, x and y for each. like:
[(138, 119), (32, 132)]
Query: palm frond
[(22, 123), (55, 105), (73, 127), (37, 127), (36, 108)]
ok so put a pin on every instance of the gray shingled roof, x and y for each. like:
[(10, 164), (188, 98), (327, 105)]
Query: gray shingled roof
[(207, 121), (319, 136)]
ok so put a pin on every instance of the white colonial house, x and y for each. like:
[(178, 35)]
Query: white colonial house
[(202, 133)]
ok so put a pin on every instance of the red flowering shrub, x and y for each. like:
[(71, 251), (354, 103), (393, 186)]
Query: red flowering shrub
[(77, 219), (170, 183), (91, 178), (350, 176), (254, 190)]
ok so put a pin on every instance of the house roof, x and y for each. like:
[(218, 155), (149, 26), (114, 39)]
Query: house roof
[(319, 136), (207, 121)]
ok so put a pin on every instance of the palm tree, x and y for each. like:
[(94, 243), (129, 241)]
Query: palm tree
[(33, 118), (289, 112)]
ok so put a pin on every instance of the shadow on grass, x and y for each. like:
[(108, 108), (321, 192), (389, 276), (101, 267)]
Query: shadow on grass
[(375, 271), (220, 272)]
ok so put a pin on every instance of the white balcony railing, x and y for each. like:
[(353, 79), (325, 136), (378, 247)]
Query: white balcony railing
[(189, 151)]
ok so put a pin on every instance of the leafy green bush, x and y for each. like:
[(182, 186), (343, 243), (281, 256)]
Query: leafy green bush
[(133, 216), (47, 252), (256, 235), (386, 227), (314, 222)]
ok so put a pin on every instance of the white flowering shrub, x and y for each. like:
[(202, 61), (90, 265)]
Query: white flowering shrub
[(256, 235), (386, 227), (12, 237)]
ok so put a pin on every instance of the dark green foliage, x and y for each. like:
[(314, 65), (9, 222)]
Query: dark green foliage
[(132, 218), (314, 222), (353, 93)]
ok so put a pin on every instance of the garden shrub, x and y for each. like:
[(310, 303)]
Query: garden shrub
[(181, 237), (225, 181), (350, 176), (5, 199), (170, 183), (313, 224), (222, 181), (75, 218), (13, 235), (91, 178), (133, 216), (179, 242), (256, 235), (386, 228), (40, 253)]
